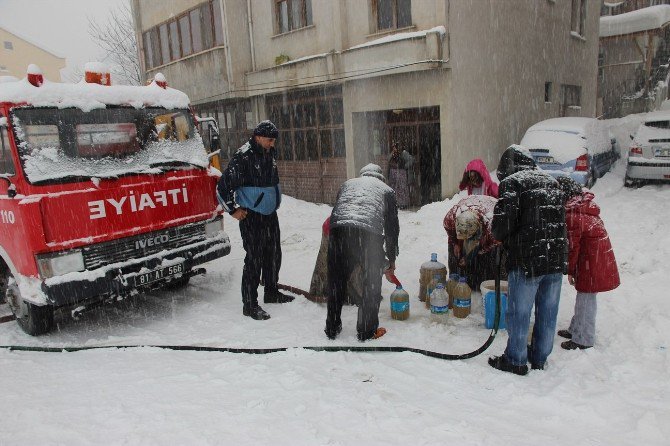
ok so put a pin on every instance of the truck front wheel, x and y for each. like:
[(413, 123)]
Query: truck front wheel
[(33, 319)]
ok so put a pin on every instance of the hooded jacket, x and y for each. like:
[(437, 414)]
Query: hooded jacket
[(529, 218), (490, 188), (368, 203), (591, 260)]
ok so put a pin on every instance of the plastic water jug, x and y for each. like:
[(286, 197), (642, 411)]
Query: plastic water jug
[(399, 304), (462, 298), (439, 304), (431, 287), (449, 287), (426, 273)]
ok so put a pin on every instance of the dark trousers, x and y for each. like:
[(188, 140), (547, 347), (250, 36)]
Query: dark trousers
[(347, 248), (261, 241)]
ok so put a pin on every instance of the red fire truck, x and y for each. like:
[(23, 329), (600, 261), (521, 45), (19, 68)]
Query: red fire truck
[(105, 192)]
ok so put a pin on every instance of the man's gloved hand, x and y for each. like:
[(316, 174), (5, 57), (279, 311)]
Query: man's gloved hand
[(390, 271)]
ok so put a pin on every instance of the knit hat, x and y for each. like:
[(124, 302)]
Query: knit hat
[(266, 129), (570, 187), (372, 170)]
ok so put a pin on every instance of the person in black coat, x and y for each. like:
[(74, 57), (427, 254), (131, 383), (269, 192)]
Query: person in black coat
[(364, 231), (249, 191), (529, 219)]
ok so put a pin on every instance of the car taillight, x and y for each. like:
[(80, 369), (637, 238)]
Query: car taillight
[(635, 151), (582, 164)]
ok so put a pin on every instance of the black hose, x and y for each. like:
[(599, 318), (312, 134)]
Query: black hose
[(325, 348)]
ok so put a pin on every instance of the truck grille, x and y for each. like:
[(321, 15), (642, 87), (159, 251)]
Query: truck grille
[(143, 245)]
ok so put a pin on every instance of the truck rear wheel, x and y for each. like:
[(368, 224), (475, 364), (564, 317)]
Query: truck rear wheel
[(33, 319)]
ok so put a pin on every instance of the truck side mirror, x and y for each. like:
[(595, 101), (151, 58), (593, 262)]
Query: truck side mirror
[(214, 140), (11, 188)]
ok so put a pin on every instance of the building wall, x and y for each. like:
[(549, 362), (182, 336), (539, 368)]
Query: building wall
[(16, 61), (502, 53), (487, 74)]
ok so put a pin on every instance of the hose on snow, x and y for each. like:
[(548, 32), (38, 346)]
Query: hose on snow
[(322, 348)]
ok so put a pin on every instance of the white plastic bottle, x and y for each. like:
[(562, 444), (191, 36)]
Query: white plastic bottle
[(439, 305)]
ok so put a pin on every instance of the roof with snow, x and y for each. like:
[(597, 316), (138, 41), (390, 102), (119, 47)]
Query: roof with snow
[(660, 115), (87, 96), (645, 19)]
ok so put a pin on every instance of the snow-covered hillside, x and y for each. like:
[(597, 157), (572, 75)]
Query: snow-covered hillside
[(616, 393)]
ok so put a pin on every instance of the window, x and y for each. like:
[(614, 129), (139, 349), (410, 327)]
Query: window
[(571, 97), (165, 42), (547, 92), (391, 14), (311, 125), (292, 14), (6, 162), (9, 45), (196, 30), (578, 17), (236, 123)]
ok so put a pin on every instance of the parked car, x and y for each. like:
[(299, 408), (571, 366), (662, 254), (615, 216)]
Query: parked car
[(581, 148), (649, 152)]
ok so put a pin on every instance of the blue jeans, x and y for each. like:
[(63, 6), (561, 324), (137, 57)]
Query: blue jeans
[(544, 292)]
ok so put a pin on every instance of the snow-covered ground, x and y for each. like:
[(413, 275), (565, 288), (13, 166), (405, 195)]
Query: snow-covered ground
[(617, 393)]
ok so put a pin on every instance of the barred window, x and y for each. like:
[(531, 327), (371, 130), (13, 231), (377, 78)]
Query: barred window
[(292, 14)]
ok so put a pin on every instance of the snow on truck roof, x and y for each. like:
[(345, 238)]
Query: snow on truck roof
[(90, 96)]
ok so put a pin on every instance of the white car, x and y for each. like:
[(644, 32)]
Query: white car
[(649, 153), (580, 148)]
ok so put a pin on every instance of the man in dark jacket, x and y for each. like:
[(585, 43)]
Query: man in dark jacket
[(364, 221), (249, 191), (529, 219)]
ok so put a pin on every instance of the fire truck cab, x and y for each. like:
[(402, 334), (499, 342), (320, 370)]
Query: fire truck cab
[(105, 192)]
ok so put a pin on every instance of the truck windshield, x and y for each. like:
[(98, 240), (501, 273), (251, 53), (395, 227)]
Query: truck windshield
[(61, 145)]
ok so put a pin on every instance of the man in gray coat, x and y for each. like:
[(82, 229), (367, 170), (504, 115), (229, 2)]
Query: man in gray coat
[(364, 232)]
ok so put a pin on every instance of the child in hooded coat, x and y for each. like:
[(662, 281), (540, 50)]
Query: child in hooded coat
[(592, 267), (477, 181)]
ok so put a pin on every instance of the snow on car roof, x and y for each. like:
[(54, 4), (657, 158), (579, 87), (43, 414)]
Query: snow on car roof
[(644, 19), (563, 146), (572, 125), (87, 97), (661, 115)]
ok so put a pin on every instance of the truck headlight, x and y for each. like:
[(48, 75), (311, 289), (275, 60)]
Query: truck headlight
[(51, 265), (213, 227)]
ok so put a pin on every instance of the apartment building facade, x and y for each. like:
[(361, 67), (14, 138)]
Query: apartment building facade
[(447, 80)]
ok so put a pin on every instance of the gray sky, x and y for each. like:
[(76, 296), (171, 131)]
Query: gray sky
[(59, 26)]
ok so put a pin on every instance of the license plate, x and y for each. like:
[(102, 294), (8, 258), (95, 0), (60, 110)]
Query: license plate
[(545, 159), (663, 152), (158, 274)]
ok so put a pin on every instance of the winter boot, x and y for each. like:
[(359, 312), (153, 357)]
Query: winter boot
[(502, 363), (333, 334), (572, 345), (565, 334), (275, 297), (256, 313), (378, 333)]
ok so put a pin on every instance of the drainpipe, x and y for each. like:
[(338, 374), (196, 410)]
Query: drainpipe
[(250, 23), (226, 43)]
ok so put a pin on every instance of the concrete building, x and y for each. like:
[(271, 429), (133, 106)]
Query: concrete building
[(633, 58), (17, 52), (447, 80)]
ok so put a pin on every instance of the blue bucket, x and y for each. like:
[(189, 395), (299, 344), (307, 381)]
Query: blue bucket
[(488, 290)]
